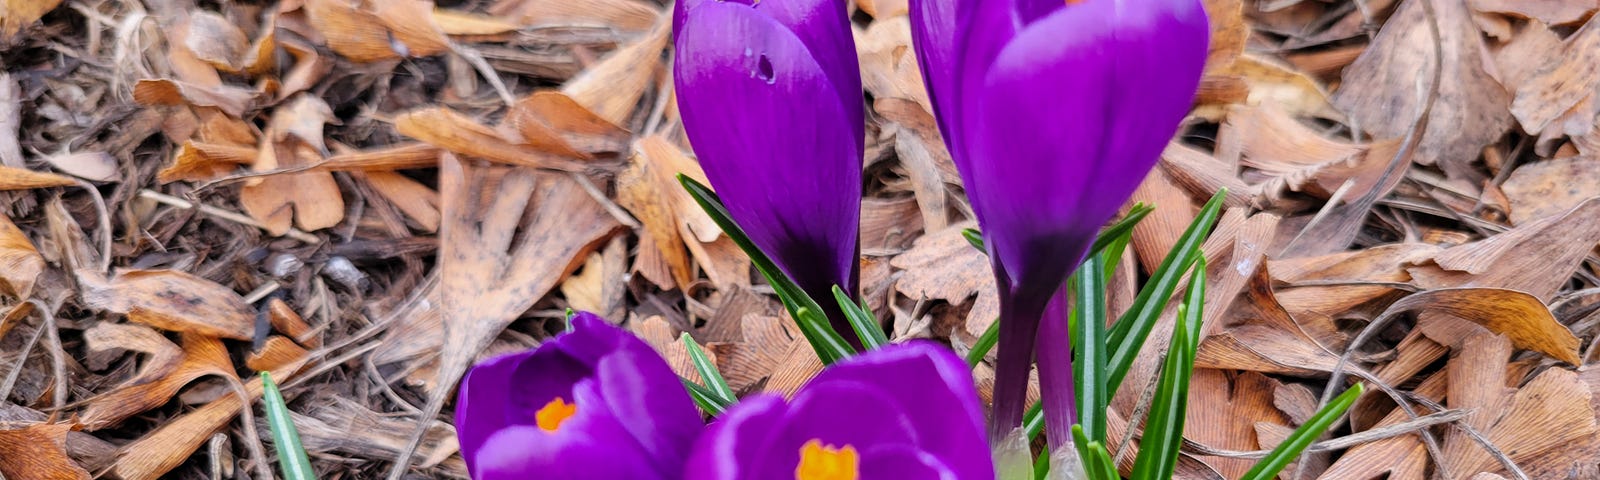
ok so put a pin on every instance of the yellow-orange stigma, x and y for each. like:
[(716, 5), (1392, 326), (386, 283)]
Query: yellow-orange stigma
[(827, 462), (552, 414)]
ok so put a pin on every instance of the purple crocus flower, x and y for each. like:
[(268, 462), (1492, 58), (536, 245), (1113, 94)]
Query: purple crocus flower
[(596, 402), (906, 411), (1054, 112), (770, 95)]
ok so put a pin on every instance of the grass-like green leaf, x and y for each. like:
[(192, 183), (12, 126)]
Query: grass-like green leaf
[(1089, 362), (830, 346), (985, 343), (708, 401), (1302, 437), (1127, 336), (708, 371), (1163, 433), (1033, 421), (1100, 462), (861, 320), (285, 438)]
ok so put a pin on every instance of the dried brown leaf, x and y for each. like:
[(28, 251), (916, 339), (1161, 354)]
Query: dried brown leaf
[(613, 87), (175, 440), (1562, 82), (455, 22), (1551, 187), (1517, 315), (403, 156), (625, 15), (12, 178), (216, 41), (444, 128), (202, 356), (650, 190), (38, 452), (95, 166), (231, 100), (553, 122), (1381, 89), (171, 300), (1224, 408), (418, 202), (198, 161), (15, 14), (1537, 257), (20, 262), (1546, 427), (1549, 12)]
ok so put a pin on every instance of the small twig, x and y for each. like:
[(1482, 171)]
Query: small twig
[(104, 229), (247, 417), (293, 233), (58, 361), (1494, 451), (611, 207), (484, 69), (1146, 397)]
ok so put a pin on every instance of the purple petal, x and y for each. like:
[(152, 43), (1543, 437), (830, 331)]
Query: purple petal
[(838, 413), (590, 444), (481, 404), (641, 389), (905, 463), (736, 439), (933, 34), (787, 165), (935, 390)]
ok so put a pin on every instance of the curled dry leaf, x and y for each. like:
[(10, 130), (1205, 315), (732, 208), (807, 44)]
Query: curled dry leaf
[(1517, 315), (13, 178), (649, 189), (38, 452), (20, 262), (202, 356), (395, 157), (1549, 12), (553, 122), (171, 300), (277, 352), (373, 31), (455, 22), (197, 161), (215, 40), (446, 129), (231, 100), (158, 452)]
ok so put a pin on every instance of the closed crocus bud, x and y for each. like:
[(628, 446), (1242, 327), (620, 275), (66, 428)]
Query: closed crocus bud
[(904, 411), (593, 403), (770, 96), (1054, 112)]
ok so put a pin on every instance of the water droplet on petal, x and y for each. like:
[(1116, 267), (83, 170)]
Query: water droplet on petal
[(764, 70)]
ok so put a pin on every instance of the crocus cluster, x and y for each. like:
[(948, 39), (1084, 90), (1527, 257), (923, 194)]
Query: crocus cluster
[(1053, 112), (598, 403)]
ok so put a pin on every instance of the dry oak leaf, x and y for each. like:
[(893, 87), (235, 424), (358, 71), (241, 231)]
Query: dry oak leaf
[(171, 300), (1381, 93), (12, 178), (38, 452), (20, 262)]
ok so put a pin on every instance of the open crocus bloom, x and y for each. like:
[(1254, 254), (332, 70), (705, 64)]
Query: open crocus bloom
[(770, 95), (1054, 112), (596, 402), (905, 411)]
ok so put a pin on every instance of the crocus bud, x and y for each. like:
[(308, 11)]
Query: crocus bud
[(770, 96), (905, 411), (595, 402), (1054, 112)]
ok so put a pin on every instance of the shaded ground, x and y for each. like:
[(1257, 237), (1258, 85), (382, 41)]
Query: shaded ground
[(195, 191)]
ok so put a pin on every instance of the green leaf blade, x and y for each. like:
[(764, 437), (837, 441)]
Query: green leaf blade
[(866, 327), (292, 457), (1303, 437), (708, 372)]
